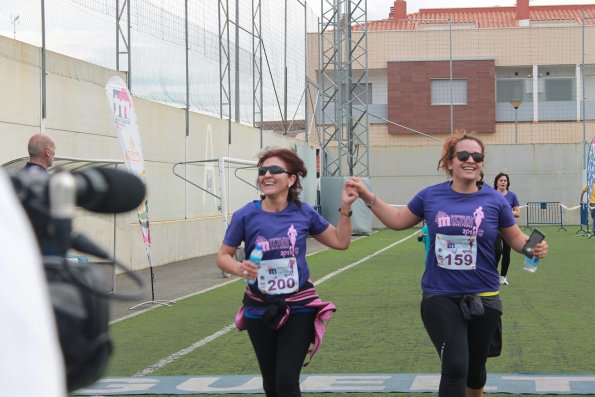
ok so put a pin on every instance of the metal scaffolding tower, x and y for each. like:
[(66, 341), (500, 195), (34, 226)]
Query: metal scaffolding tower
[(344, 88), (123, 36), (225, 63)]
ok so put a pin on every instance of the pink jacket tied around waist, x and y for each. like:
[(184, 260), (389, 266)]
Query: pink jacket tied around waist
[(306, 298)]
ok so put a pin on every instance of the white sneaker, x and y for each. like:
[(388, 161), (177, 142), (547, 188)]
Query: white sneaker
[(503, 280)]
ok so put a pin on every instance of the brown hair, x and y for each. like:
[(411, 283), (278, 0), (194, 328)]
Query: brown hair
[(448, 150), (500, 175), (295, 167)]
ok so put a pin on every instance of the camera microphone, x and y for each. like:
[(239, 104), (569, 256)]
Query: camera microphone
[(79, 293), (102, 190), (108, 191)]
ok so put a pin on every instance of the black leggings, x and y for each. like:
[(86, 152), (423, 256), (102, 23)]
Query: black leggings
[(281, 353), (502, 250), (462, 344)]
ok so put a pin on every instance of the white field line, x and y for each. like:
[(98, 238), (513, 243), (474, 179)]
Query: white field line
[(223, 284), (170, 359)]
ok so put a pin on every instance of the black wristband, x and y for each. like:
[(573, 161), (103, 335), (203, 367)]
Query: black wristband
[(345, 213)]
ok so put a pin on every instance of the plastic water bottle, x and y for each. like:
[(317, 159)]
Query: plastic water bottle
[(255, 257), (531, 264)]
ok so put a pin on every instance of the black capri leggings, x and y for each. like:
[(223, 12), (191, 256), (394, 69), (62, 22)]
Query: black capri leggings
[(502, 251), (281, 354), (462, 344)]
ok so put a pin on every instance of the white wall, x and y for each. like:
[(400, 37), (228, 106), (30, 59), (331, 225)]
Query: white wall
[(538, 172), (185, 222)]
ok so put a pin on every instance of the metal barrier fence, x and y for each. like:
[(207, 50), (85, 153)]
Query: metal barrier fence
[(585, 230), (584, 226), (545, 213)]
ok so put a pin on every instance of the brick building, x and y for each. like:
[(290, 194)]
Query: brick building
[(439, 70)]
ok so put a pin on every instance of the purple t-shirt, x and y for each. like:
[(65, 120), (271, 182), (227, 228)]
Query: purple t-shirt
[(478, 214), (281, 234), (512, 199)]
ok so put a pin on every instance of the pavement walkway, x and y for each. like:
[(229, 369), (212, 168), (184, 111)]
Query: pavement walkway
[(173, 281)]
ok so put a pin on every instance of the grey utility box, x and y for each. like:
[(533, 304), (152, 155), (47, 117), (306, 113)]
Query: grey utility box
[(330, 201)]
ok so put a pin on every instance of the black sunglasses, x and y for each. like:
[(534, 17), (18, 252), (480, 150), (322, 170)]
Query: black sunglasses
[(273, 169), (464, 156)]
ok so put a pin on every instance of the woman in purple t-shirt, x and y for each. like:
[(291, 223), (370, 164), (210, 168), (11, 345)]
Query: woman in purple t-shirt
[(282, 311), (460, 307), (502, 184)]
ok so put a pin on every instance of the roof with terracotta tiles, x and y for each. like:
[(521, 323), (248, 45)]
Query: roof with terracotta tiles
[(492, 17)]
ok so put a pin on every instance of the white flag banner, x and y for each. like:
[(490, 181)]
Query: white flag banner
[(126, 123)]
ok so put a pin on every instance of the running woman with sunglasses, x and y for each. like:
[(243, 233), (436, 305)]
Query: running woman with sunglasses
[(281, 310), (502, 184), (460, 307)]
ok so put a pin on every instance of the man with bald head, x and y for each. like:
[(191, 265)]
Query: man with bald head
[(42, 150)]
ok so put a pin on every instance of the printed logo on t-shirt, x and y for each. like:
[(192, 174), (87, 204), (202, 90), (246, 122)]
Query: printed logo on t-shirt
[(470, 224), (286, 245)]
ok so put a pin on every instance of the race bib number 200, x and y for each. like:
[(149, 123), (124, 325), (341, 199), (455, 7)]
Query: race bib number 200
[(456, 252), (278, 276)]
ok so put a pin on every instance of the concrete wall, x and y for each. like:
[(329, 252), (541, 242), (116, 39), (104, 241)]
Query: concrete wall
[(185, 221), (538, 172)]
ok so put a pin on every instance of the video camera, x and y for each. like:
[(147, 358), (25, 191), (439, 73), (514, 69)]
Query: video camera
[(78, 291)]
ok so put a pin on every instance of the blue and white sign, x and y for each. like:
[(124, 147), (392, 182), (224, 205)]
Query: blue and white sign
[(339, 383)]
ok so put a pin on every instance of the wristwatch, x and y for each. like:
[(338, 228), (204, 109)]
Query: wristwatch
[(344, 212)]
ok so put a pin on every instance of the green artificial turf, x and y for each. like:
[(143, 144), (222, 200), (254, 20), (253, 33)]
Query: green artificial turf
[(548, 317)]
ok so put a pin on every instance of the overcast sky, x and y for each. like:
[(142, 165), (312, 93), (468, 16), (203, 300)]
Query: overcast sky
[(379, 9)]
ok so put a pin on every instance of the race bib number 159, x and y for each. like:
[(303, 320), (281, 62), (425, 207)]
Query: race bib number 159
[(456, 252)]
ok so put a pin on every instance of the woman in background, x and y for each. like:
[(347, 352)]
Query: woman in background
[(502, 184)]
